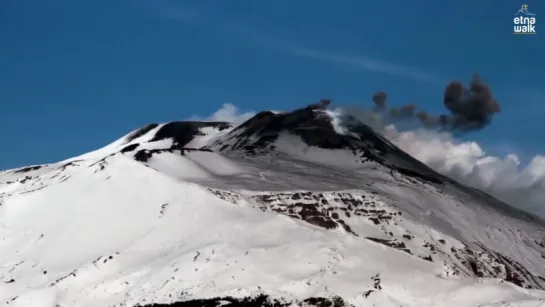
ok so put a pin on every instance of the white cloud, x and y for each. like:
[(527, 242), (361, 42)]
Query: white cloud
[(227, 113), (467, 162)]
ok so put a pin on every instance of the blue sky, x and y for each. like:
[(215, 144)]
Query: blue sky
[(76, 75)]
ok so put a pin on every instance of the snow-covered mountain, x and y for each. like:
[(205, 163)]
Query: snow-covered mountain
[(302, 208)]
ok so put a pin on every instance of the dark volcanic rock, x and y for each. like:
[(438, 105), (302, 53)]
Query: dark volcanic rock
[(28, 169), (491, 264), (183, 132), (129, 148), (140, 132), (313, 126), (144, 155), (315, 209), (257, 301), (376, 286)]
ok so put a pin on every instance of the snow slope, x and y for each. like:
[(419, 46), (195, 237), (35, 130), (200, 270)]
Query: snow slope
[(281, 210)]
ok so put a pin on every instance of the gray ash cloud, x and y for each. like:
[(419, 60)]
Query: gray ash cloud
[(469, 108)]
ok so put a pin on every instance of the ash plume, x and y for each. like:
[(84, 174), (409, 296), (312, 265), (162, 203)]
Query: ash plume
[(322, 105), (470, 108)]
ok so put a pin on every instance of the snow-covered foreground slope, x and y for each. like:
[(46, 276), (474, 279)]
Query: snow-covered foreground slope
[(203, 214)]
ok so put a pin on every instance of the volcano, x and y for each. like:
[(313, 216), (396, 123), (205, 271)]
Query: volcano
[(300, 208)]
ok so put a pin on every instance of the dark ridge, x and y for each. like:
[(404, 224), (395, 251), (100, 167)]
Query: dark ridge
[(313, 126), (377, 148), (129, 148), (71, 163), (144, 155), (183, 132), (28, 169), (258, 301), (140, 132)]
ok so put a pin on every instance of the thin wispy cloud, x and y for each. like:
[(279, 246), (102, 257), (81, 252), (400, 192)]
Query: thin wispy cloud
[(239, 30), (370, 64)]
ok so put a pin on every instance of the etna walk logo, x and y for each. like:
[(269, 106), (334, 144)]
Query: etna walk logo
[(524, 21)]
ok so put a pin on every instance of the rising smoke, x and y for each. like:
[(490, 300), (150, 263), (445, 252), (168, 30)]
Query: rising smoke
[(469, 108)]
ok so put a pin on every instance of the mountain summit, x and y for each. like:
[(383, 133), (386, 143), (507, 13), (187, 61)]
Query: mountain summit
[(300, 208)]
